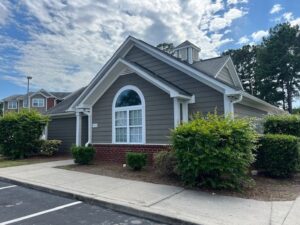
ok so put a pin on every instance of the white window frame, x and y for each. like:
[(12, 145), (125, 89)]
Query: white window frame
[(12, 106), (38, 105), (127, 109)]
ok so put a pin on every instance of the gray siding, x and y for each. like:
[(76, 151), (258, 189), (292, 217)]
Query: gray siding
[(6, 110), (207, 99), (158, 106), (225, 76), (64, 129), (247, 111)]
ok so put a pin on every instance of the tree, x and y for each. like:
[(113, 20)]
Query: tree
[(244, 60), (278, 66), (1, 109), (166, 47)]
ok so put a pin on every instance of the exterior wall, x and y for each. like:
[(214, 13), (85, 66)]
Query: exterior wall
[(117, 153), (50, 103), (207, 99), (6, 110), (225, 76), (158, 111), (247, 111), (40, 109), (65, 129)]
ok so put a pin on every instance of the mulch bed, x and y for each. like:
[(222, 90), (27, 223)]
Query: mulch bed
[(265, 189)]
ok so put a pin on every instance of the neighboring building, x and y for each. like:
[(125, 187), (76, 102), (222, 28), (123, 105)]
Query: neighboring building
[(41, 101), (142, 93)]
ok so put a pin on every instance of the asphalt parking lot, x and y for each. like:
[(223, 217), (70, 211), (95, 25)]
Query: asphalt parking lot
[(20, 205)]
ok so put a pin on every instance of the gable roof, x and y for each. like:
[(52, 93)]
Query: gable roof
[(186, 44), (210, 66)]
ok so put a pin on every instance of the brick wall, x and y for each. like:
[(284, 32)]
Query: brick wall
[(116, 153)]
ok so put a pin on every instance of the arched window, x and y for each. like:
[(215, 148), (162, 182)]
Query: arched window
[(129, 116)]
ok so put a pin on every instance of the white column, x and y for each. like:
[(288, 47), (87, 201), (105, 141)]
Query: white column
[(185, 112), (78, 128), (176, 112), (46, 132), (90, 124), (228, 106)]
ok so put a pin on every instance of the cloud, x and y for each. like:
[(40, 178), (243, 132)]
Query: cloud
[(69, 41), (288, 17), (257, 36), (276, 9), (234, 2), (243, 40), (4, 11)]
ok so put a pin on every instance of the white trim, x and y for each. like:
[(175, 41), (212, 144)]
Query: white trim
[(190, 55), (97, 143), (228, 107), (11, 102), (38, 106), (62, 114), (141, 107), (78, 128), (176, 109), (185, 112)]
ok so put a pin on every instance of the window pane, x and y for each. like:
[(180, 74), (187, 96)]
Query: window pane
[(128, 98), (135, 117), (121, 118), (121, 135), (135, 134)]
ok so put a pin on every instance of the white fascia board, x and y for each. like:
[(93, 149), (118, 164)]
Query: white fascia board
[(213, 83), (101, 71)]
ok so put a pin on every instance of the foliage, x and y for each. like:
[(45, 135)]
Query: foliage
[(20, 133), (244, 60), (166, 47), (136, 161), (278, 155), (278, 65), (165, 163), (215, 151), (83, 155), (283, 124), (50, 147), (296, 111)]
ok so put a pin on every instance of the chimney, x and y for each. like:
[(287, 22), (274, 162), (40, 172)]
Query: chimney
[(187, 51)]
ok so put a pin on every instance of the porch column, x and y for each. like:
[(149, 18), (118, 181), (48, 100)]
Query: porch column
[(176, 112), (90, 126), (78, 128)]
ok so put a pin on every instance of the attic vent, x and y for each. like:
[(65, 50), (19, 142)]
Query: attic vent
[(187, 51)]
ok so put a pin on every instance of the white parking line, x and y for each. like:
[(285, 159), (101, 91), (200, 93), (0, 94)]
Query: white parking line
[(11, 186), (40, 213)]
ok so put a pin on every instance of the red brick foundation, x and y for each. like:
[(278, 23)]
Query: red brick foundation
[(116, 153)]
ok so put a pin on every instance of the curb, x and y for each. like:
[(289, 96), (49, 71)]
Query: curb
[(105, 204)]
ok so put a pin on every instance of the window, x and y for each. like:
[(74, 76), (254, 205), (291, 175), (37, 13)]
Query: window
[(12, 105), (129, 116), (38, 102)]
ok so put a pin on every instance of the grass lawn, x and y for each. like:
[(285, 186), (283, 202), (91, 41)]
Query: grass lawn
[(265, 189), (31, 160)]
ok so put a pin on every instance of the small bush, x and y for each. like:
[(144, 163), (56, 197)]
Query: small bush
[(278, 155), (283, 124), (83, 155), (215, 151), (165, 163), (20, 133), (136, 161), (50, 147)]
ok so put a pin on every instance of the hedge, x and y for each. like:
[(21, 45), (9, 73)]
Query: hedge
[(278, 155), (283, 124), (136, 161), (83, 155), (215, 151), (20, 133)]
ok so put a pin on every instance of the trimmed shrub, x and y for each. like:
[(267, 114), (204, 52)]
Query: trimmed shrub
[(215, 152), (278, 155), (50, 147), (83, 155), (165, 163), (20, 133), (136, 161), (282, 124)]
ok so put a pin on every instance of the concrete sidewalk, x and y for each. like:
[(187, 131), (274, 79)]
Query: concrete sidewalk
[(146, 199)]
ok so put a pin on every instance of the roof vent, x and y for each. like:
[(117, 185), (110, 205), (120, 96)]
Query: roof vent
[(187, 51)]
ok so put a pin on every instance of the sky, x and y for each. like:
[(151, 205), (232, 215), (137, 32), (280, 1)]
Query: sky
[(62, 44)]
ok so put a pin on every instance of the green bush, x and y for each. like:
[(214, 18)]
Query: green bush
[(83, 155), (50, 147), (136, 161), (282, 124), (215, 152), (278, 155), (20, 133), (165, 163)]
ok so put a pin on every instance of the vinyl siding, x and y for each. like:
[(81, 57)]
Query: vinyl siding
[(247, 111), (225, 76), (64, 129), (158, 107), (207, 99)]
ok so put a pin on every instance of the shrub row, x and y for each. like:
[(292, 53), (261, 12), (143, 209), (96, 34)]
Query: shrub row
[(282, 124)]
